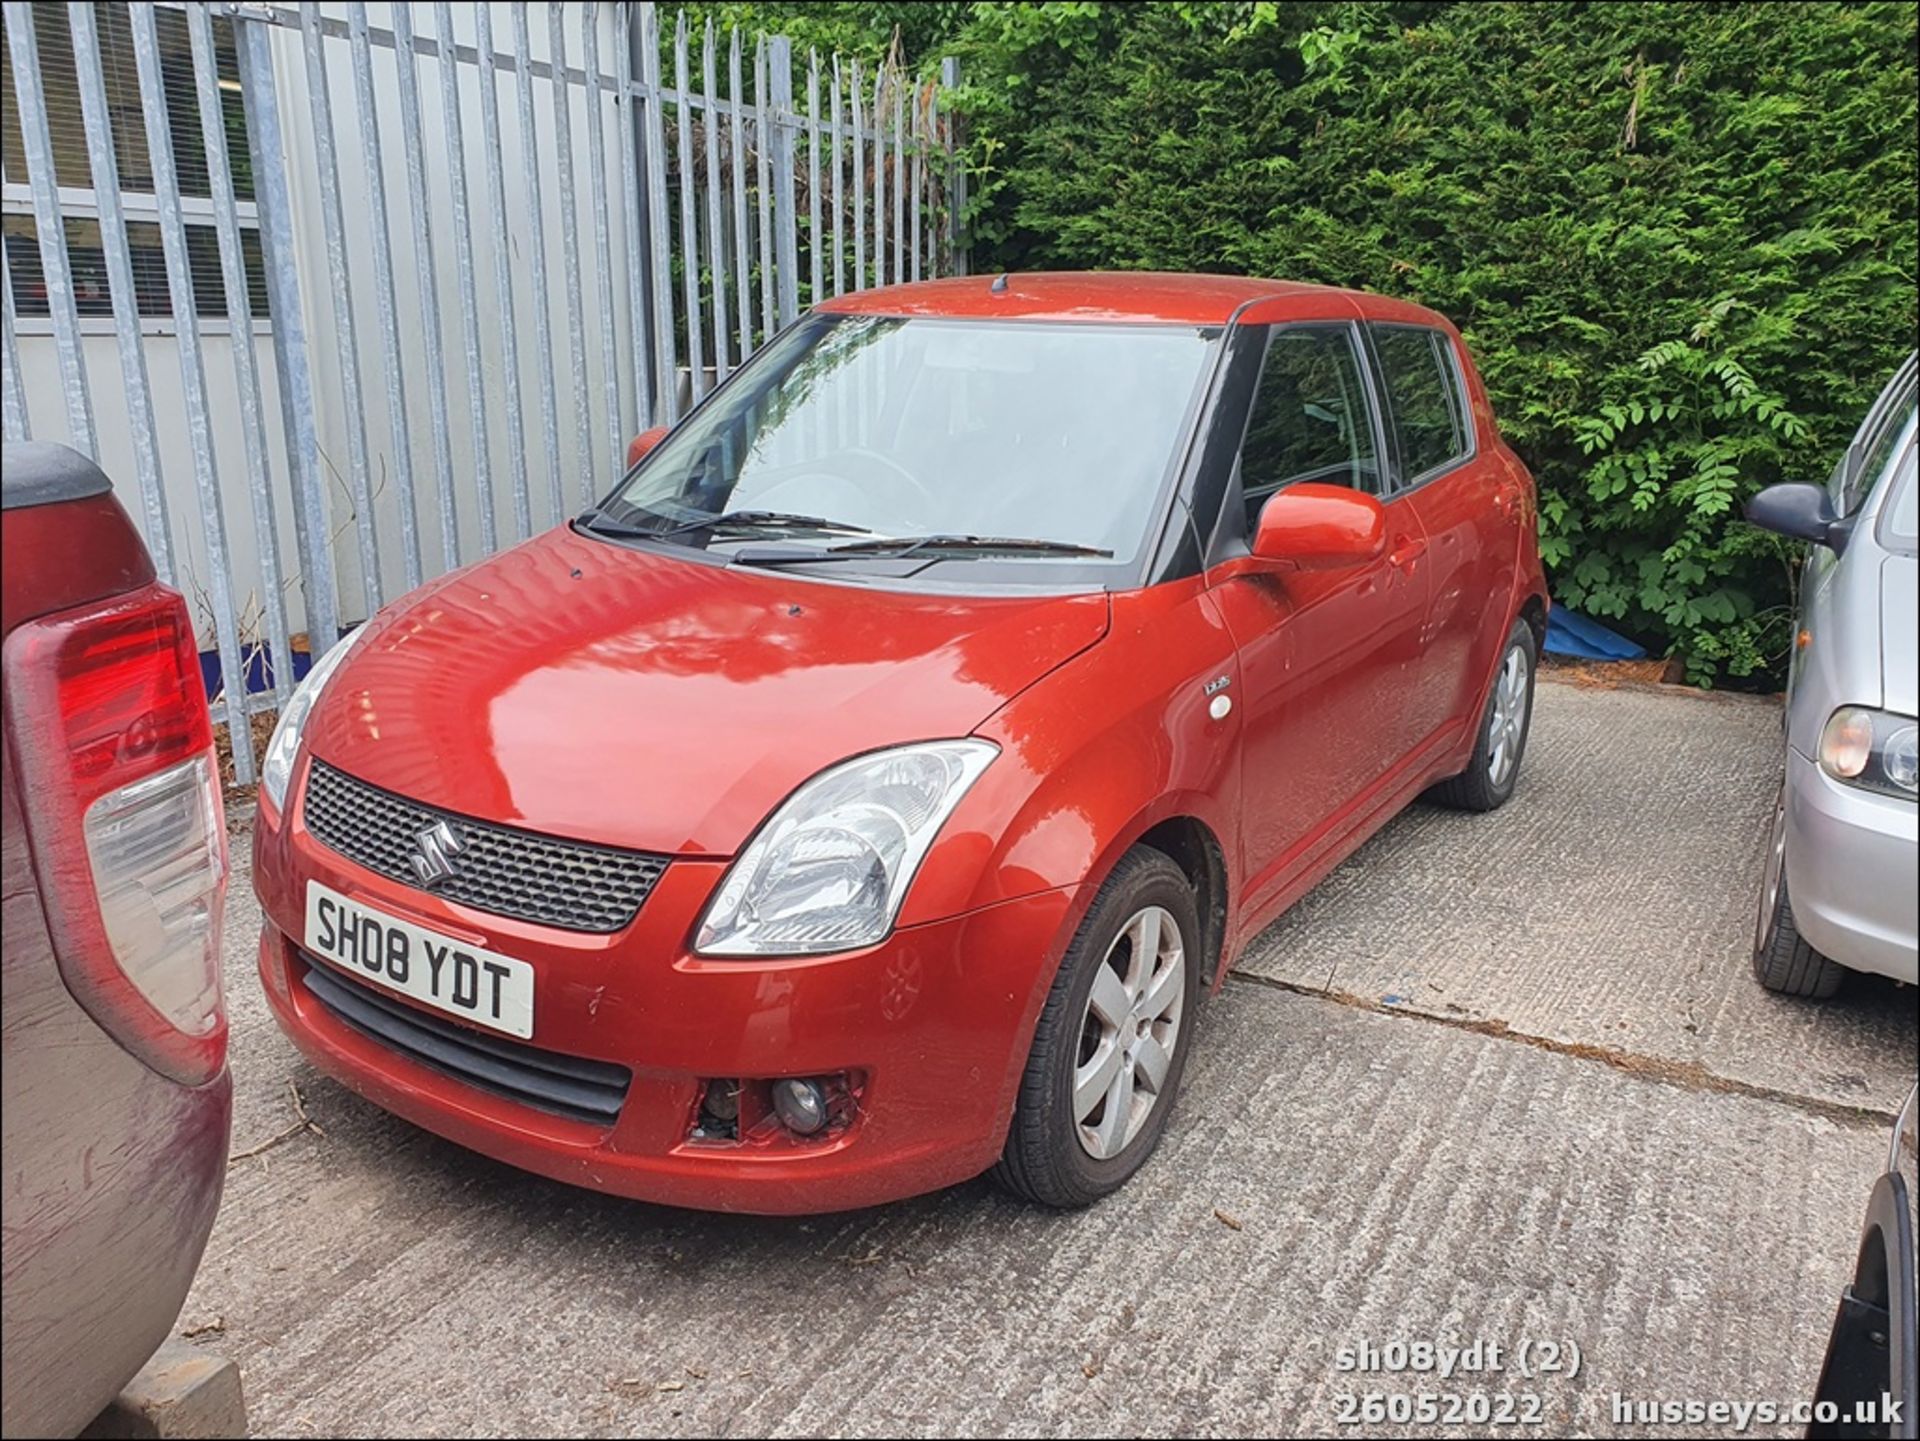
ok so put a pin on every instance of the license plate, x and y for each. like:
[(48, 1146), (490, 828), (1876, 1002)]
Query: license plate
[(479, 986)]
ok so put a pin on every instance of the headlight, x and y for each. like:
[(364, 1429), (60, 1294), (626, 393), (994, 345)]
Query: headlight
[(828, 870), (1872, 749), (277, 769)]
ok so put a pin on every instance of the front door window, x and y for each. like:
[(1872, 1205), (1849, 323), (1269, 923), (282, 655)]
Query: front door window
[(1310, 418)]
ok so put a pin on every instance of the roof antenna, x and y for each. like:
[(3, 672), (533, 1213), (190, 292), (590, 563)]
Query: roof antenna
[(999, 287)]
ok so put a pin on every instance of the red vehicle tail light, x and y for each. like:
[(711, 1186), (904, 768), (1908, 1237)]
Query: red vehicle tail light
[(107, 726)]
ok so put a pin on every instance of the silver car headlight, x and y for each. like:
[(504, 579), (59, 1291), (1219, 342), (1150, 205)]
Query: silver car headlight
[(829, 869), (1873, 749), (277, 769)]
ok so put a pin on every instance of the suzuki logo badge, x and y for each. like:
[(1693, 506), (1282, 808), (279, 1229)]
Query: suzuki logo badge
[(435, 848)]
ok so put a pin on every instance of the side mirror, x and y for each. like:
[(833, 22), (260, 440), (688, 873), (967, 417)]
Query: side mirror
[(645, 441), (1799, 510), (1320, 527)]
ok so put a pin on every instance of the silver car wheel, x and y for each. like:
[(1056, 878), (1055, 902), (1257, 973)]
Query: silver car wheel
[(1770, 877), (1129, 1032), (1507, 726)]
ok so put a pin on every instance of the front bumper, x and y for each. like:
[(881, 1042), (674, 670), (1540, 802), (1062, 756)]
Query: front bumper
[(1853, 871), (936, 1021)]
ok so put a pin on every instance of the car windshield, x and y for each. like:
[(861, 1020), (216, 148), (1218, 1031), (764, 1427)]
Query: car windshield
[(1021, 444)]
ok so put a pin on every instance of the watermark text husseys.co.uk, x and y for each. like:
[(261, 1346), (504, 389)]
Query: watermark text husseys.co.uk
[(1739, 1415)]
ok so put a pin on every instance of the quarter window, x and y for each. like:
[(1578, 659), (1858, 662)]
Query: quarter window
[(1424, 396), (1310, 417), (1853, 481)]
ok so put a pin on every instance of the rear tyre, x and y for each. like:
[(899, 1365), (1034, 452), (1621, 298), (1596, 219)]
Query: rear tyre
[(1112, 1040), (1488, 781), (1782, 960)]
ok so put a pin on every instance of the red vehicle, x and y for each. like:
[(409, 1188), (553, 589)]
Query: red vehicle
[(117, 1101), (864, 794)]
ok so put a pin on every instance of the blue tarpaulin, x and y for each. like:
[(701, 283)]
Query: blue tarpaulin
[(1570, 633), (259, 669)]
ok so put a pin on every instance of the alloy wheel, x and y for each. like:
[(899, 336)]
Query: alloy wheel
[(1129, 1032), (1507, 726)]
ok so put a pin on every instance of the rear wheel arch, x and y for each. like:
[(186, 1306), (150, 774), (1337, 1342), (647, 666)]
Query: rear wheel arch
[(1533, 610)]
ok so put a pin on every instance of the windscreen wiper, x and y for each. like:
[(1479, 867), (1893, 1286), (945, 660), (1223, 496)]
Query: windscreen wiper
[(934, 547), (736, 520), (596, 522), (765, 520)]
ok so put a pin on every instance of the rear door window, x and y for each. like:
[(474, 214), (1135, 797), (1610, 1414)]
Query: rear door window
[(1311, 419), (1425, 399)]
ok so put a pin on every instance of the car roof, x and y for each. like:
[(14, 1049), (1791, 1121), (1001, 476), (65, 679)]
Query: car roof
[(1139, 296)]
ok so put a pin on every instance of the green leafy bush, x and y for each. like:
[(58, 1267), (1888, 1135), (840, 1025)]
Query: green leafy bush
[(1680, 238)]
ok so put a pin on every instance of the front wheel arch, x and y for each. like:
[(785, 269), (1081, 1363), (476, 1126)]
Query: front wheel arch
[(1045, 1157), (1195, 848)]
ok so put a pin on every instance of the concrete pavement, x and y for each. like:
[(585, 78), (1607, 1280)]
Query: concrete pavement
[(1610, 907), (1499, 1078)]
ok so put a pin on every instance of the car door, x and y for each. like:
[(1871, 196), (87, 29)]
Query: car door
[(1324, 657), (1468, 505)]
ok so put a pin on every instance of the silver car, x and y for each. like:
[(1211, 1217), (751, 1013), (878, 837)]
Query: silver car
[(1839, 891)]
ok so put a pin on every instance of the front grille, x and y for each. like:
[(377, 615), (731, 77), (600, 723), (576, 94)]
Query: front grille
[(573, 885), (570, 1086)]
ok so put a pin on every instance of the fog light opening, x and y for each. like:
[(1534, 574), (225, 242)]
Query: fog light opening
[(719, 1112), (798, 1111), (801, 1105)]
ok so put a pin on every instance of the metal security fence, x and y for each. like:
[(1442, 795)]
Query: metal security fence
[(348, 295)]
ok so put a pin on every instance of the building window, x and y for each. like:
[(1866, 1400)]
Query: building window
[(79, 208)]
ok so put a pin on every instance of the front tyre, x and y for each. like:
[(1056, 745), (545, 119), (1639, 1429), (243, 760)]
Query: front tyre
[(1112, 1040), (1488, 781), (1783, 962)]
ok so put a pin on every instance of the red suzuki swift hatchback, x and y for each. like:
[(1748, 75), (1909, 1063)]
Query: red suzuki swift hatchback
[(865, 793)]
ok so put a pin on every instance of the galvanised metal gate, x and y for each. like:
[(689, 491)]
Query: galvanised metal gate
[(483, 246)]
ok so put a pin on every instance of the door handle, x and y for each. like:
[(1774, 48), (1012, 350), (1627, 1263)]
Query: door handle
[(1407, 550)]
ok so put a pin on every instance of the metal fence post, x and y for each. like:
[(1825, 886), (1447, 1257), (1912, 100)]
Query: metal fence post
[(787, 267), (737, 151), (956, 172), (463, 262), (49, 225), (105, 167), (326, 162), (639, 222), (570, 254), (14, 391), (289, 334), (386, 294), (763, 191), (426, 276), (602, 240), (659, 301), (502, 269), (537, 253)]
